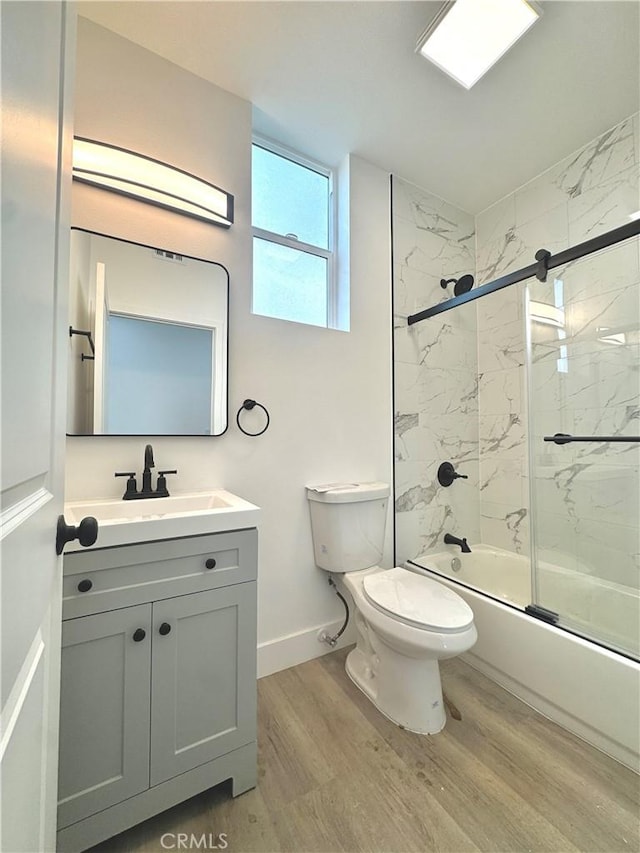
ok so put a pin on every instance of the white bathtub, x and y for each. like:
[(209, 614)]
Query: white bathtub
[(589, 605), (588, 689)]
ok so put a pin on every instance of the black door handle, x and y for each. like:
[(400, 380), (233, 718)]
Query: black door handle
[(210, 563), (86, 532), (164, 629), (139, 634), (85, 585)]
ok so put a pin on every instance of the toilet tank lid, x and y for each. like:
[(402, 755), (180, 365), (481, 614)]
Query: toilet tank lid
[(348, 492)]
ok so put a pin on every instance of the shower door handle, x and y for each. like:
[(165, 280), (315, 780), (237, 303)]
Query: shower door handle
[(565, 438)]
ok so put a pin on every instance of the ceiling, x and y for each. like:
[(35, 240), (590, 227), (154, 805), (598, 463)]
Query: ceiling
[(331, 78)]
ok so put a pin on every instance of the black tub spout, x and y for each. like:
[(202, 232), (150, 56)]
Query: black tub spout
[(453, 540)]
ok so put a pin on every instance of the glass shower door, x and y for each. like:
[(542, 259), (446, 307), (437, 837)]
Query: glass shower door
[(584, 381)]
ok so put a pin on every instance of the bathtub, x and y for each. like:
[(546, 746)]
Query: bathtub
[(590, 690)]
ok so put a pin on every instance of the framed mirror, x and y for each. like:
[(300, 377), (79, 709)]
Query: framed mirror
[(148, 340)]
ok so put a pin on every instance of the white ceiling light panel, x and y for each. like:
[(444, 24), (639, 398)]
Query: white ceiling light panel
[(467, 37)]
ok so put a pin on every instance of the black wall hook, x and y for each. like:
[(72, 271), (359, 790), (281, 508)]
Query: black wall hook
[(88, 336), (248, 405)]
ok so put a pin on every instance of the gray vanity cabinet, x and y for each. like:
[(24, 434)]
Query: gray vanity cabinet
[(104, 711), (203, 681), (158, 695)]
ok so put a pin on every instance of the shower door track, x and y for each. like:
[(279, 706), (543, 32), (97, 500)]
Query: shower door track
[(544, 261), (518, 608)]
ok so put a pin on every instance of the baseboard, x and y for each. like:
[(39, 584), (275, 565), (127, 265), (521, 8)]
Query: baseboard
[(302, 646), (555, 713)]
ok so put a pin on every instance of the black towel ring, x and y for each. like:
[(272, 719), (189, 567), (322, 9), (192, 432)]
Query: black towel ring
[(248, 405)]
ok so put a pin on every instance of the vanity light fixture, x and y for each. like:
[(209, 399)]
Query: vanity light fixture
[(548, 315), (140, 177), (467, 37)]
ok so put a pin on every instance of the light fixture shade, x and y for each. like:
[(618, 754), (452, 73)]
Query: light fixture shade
[(611, 336), (467, 37), (134, 175)]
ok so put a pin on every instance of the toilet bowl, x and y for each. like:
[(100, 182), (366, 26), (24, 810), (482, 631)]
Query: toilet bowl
[(405, 622)]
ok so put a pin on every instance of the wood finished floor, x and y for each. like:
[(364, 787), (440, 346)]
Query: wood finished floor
[(335, 775)]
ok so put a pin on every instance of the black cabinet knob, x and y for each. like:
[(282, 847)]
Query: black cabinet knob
[(139, 634), (164, 629), (210, 563), (86, 532), (85, 585)]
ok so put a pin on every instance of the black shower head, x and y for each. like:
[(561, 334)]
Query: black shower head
[(462, 284)]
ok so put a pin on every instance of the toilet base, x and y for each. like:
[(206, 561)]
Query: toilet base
[(406, 690)]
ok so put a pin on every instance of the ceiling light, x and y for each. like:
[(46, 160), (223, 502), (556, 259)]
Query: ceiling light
[(143, 178), (467, 37), (548, 315)]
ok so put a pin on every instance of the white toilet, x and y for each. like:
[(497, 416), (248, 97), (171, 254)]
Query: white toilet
[(405, 622)]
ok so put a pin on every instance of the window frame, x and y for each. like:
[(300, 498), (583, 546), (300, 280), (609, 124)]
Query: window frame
[(329, 254)]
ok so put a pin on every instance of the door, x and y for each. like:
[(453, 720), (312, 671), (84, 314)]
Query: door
[(585, 461), (104, 711), (37, 43), (203, 676), (101, 326)]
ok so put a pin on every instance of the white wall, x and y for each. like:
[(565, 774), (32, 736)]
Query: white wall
[(189, 292), (328, 392)]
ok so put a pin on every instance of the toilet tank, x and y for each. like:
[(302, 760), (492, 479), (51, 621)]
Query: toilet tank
[(347, 524)]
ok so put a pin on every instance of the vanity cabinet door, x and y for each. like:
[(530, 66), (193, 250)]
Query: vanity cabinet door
[(203, 678), (104, 711)]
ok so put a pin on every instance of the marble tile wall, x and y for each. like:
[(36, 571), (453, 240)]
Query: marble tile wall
[(461, 387), (585, 496), (435, 374)]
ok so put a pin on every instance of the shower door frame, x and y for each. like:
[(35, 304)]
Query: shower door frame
[(544, 262)]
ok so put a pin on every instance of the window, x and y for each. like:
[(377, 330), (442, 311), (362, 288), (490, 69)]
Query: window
[(292, 199)]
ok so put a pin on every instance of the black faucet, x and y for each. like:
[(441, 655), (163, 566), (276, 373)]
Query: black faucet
[(453, 540), (132, 493), (146, 490)]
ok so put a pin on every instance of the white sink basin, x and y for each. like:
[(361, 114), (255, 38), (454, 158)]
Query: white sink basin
[(190, 514)]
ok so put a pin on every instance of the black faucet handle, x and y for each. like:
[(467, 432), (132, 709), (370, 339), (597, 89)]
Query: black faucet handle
[(447, 474), (161, 486), (132, 486)]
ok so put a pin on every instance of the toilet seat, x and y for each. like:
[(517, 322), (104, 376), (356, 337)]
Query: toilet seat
[(417, 601)]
